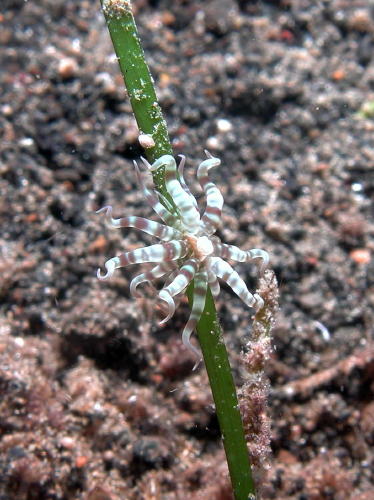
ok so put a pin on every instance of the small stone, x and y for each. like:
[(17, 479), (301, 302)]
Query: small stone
[(26, 142), (168, 18), (67, 442), (214, 143), (67, 67), (338, 74), (360, 255), (361, 20), (146, 141), (6, 110), (81, 461), (164, 80), (107, 83), (19, 341), (223, 125), (131, 134)]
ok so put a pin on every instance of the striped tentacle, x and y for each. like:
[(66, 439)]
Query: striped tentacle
[(161, 252), (153, 200), (189, 214), (161, 305), (168, 205), (164, 233), (224, 271), (158, 271), (169, 278), (257, 253), (234, 253), (199, 296), (177, 298), (214, 199), (180, 282), (183, 182), (229, 252), (213, 283)]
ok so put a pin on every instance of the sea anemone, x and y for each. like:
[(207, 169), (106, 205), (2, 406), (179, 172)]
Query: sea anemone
[(188, 249)]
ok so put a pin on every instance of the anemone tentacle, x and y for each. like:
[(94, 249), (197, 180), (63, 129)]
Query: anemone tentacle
[(157, 272), (257, 253), (110, 265), (213, 284), (153, 200), (183, 278), (183, 182), (211, 218), (198, 304), (160, 252), (178, 285), (168, 279), (225, 272), (234, 253), (166, 297), (189, 214), (168, 206), (178, 297), (160, 231), (229, 252)]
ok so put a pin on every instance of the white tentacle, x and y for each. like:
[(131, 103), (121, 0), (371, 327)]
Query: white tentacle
[(214, 199), (224, 271), (189, 214), (183, 182)]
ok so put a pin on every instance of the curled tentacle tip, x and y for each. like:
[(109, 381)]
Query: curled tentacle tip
[(265, 262), (186, 340), (163, 321), (110, 268), (100, 276), (197, 363), (216, 161), (196, 352), (134, 293), (138, 174), (107, 209), (259, 304), (166, 297), (166, 319), (146, 163), (256, 253)]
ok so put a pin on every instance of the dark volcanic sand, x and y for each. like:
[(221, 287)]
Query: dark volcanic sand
[(96, 401)]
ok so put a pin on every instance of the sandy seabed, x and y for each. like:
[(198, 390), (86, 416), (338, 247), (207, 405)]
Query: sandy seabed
[(96, 401)]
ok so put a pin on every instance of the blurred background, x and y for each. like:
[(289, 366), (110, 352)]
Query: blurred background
[(98, 402)]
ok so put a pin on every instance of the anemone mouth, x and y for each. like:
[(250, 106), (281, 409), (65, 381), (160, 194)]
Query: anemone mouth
[(201, 246), (204, 246)]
